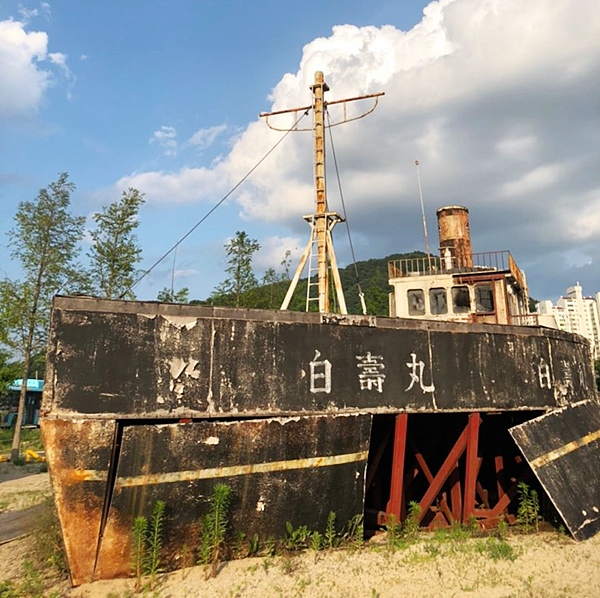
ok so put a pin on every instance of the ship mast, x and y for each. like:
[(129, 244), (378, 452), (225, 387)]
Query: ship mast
[(322, 221)]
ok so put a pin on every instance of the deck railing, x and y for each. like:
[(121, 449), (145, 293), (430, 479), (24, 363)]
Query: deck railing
[(433, 264)]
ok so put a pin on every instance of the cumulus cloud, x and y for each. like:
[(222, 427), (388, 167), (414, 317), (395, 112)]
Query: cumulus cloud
[(184, 185), (497, 99), (23, 78)]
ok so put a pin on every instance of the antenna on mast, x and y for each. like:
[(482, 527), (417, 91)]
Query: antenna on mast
[(423, 217), (322, 220)]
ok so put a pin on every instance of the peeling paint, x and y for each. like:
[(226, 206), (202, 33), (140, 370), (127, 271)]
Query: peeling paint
[(181, 321), (191, 370), (176, 367)]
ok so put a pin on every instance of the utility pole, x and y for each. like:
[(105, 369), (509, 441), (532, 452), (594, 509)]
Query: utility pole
[(322, 221)]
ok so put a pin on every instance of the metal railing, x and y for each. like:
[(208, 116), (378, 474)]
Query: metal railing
[(429, 265), (524, 320)]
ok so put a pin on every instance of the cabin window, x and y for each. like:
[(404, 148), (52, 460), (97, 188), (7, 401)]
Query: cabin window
[(461, 301), (484, 298), (416, 302), (438, 302)]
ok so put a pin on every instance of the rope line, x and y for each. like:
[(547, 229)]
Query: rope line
[(337, 173)]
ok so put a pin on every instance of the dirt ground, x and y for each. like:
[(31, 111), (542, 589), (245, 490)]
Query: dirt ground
[(546, 564)]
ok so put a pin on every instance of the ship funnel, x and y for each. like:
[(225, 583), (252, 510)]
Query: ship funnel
[(455, 237)]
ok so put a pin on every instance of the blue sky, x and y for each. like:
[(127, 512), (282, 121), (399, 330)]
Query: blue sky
[(498, 100)]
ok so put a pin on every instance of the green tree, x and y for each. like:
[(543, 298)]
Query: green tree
[(115, 252), (45, 241), (9, 370), (172, 296), (240, 251)]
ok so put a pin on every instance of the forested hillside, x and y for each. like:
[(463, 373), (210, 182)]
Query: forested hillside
[(372, 278)]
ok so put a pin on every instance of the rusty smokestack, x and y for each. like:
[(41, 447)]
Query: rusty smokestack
[(455, 237)]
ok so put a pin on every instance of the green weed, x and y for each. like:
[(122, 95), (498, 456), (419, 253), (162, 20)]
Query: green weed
[(138, 550), (331, 536), (214, 529), (354, 534), (254, 545), (316, 541), (411, 525), (296, 538), (152, 563), (528, 510)]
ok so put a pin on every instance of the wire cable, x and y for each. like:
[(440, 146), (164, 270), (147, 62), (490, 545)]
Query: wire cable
[(218, 204), (361, 295)]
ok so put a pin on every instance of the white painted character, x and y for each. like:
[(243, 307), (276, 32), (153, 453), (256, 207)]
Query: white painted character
[(371, 376), (544, 374), (320, 374), (415, 377)]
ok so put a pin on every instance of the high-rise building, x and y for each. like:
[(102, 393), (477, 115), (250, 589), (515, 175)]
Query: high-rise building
[(575, 313)]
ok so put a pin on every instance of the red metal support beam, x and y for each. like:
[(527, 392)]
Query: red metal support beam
[(455, 493), (394, 504), (472, 466), (443, 474)]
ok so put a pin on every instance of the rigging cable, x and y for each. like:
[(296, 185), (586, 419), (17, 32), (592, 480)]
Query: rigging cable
[(361, 295), (226, 196)]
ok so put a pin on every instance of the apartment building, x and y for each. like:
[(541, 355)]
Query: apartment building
[(575, 313)]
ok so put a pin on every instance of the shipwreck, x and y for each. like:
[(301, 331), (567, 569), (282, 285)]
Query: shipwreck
[(450, 403)]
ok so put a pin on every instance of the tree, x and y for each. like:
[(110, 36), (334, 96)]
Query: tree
[(45, 241), (115, 253), (240, 251), (9, 371), (171, 296)]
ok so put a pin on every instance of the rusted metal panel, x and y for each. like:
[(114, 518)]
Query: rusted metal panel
[(279, 469), (193, 362), (79, 454), (563, 450)]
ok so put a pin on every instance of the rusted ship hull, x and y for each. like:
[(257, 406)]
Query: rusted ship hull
[(300, 414)]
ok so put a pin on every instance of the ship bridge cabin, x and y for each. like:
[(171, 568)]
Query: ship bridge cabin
[(459, 285)]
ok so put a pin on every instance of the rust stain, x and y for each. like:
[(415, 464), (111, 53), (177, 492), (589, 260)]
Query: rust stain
[(73, 448)]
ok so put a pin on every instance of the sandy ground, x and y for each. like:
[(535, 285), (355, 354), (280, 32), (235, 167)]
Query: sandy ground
[(22, 487), (546, 564)]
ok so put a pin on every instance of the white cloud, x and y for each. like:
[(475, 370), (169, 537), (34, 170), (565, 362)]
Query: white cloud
[(273, 251), (185, 185), (166, 137), (204, 138), (23, 80), (497, 99)]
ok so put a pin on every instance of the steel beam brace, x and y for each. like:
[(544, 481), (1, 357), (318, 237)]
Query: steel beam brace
[(394, 504)]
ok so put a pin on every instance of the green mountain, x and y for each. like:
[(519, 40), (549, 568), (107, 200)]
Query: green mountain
[(371, 276)]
